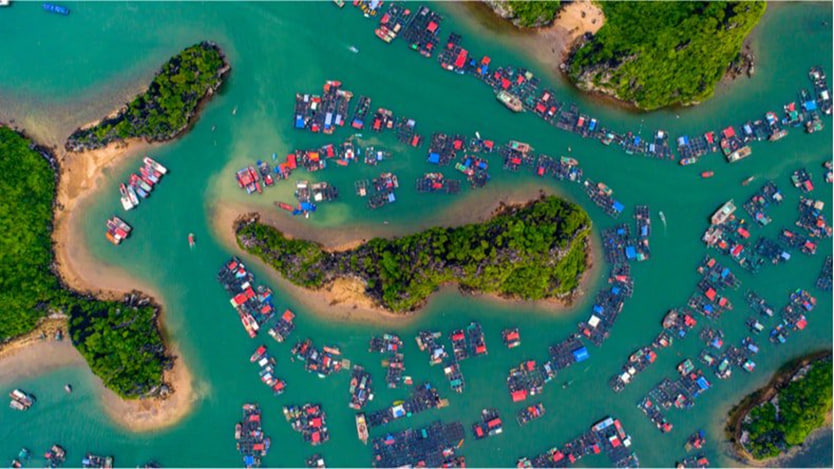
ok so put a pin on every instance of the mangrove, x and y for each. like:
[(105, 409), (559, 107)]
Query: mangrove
[(656, 54), (167, 107), (120, 340), (533, 251)]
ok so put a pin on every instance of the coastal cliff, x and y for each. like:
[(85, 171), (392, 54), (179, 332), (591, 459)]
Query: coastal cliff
[(776, 419), (656, 54), (533, 14), (502, 256), (167, 107)]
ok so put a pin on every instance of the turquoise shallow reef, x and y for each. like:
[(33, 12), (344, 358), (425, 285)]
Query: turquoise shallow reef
[(59, 72)]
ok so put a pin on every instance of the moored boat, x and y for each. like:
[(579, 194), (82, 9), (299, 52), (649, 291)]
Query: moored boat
[(510, 100), (191, 240), (155, 165), (707, 174), (748, 180), (362, 428), (127, 203)]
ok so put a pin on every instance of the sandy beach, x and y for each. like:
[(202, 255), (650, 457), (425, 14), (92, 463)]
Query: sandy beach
[(29, 355), (345, 298), (550, 44), (81, 175)]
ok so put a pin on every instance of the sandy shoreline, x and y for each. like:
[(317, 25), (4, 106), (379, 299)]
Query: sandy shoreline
[(80, 179), (345, 299)]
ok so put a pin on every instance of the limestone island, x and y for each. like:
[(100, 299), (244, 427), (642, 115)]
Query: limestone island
[(167, 107), (646, 55), (119, 335), (776, 419), (533, 251)]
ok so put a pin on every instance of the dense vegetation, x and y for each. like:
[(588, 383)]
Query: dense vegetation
[(119, 340), (800, 408), (168, 105), (656, 54), (531, 252), (533, 13)]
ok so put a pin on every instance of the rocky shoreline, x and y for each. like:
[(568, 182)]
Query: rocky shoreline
[(88, 137), (737, 415)]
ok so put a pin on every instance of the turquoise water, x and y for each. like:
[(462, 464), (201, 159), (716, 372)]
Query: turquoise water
[(53, 65)]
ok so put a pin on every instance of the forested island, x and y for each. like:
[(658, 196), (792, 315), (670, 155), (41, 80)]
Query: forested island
[(526, 14), (533, 251), (120, 340), (780, 416), (655, 54), (167, 107)]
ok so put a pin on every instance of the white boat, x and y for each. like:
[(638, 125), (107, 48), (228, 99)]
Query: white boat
[(127, 204), (155, 165), (353, 49)]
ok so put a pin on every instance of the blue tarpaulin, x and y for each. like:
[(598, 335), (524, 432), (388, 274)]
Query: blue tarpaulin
[(630, 252), (598, 309), (618, 207), (810, 105), (702, 383), (391, 197), (299, 122), (580, 354), (434, 158), (615, 290)]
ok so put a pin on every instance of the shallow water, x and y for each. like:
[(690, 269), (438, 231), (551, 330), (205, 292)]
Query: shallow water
[(71, 68)]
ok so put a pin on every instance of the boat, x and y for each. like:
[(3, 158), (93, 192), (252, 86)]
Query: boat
[(662, 217), (131, 193), (688, 161), (739, 154), (53, 8), (117, 230), (353, 49), (707, 174), (510, 100), (748, 180), (155, 165), (127, 203), (68, 388), (339, 3), (362, 428), (723, 213)]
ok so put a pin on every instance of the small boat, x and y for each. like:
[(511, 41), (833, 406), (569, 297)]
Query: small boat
[(155, 165), (68, 388), (353, 49), (662, 217), (748, 180), (707, 174), (131, 193), (567, 384), (191, 240), (53, 8), (511, 101), (339, 3), (362, 428), (234, 111), (127, 203)]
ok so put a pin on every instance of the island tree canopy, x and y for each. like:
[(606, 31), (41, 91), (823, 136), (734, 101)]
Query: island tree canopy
[(655, 54)]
